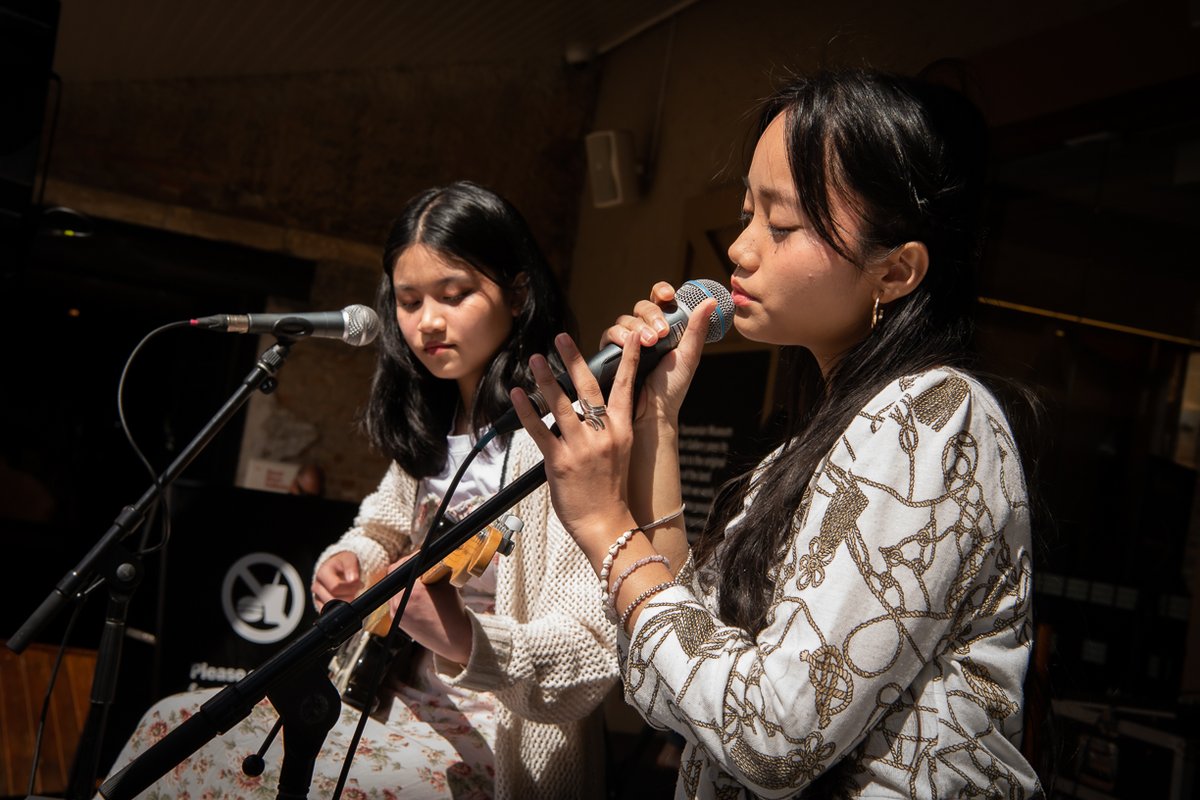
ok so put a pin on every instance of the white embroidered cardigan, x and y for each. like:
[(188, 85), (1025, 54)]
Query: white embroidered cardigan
[(896, 646), (548, 653)]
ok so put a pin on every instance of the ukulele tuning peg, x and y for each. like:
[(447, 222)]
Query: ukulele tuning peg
[(510, 526)]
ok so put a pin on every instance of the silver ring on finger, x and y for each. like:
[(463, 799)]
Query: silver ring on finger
[(592, 415)]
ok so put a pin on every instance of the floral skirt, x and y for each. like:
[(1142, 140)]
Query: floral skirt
[(434, 743)]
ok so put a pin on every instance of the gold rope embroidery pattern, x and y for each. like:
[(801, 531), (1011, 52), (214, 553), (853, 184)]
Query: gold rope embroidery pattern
[(988, 596)]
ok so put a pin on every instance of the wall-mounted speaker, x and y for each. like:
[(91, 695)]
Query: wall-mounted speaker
[(611, 167)]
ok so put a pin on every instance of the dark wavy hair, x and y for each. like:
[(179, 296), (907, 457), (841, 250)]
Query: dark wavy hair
[(411, 412), (908, 160)]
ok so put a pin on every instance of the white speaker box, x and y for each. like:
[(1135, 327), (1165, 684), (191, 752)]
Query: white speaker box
[(611, 168)]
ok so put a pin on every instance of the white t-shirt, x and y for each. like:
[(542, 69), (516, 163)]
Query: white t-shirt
[(482, 478)]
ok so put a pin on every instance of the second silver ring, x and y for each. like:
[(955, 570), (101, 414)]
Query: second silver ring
[(592, 414)]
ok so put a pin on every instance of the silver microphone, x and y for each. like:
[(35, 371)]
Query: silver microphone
[(355, 325), (604, 364)]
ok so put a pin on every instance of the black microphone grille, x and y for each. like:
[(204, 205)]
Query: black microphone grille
[(694, 292), (362, 325)]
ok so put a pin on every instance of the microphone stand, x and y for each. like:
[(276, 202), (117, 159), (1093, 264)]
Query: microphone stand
[(122, 570), (298, 672)]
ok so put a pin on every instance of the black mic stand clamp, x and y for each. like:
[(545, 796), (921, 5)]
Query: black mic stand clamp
[(109, 561), (122, 571), (308, 706)]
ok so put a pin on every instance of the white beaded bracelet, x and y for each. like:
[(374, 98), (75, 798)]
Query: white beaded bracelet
[(606, 566), (637, 601), (665, 519), (632, 568)]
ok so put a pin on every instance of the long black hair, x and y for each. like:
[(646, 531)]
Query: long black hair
[(908, 159), (411, 412)]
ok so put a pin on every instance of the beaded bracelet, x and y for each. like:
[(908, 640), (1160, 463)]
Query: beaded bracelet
[(665, 519), (637, 601), (632, 568), (606, 566)]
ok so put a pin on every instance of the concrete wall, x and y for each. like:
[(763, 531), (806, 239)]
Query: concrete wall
[(317, 165), (1031, 65), (1027, 58), (333, 154)]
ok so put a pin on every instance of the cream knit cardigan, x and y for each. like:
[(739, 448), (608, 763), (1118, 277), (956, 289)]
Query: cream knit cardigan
[(548, 653)]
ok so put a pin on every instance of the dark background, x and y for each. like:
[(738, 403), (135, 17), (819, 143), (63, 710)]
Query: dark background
[(158, 164)]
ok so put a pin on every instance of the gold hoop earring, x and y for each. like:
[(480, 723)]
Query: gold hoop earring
[(876, 315)]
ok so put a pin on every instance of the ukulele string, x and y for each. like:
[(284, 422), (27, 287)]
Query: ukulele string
[(376, 681)]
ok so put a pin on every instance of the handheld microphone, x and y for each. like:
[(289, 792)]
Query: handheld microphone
[(604, 364), (355, 325)]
